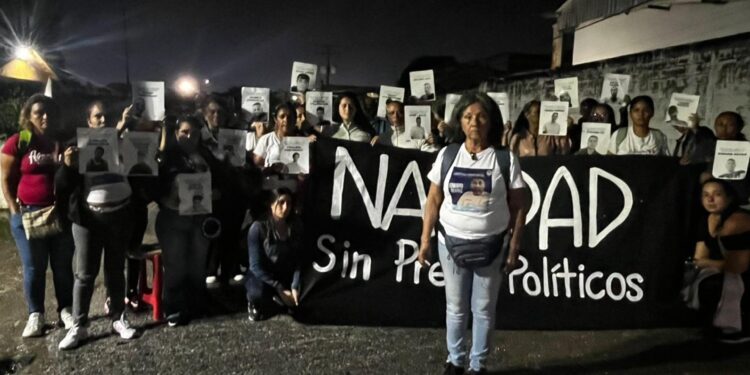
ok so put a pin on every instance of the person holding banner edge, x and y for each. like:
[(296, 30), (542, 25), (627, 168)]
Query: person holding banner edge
[(474, 286)]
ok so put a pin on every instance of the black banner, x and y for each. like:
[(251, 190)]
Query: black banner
[(603, 245)]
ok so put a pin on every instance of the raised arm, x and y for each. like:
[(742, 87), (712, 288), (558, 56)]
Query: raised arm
[(434, 200)]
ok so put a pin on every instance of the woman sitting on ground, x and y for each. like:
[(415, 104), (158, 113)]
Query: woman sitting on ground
[(725, 251), (274, 249)]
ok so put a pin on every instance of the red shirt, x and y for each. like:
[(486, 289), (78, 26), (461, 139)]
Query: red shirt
[(36, 186)]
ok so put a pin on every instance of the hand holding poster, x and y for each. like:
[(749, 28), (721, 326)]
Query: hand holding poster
[(319, 107), (139, 153), (417, 120), (681, 107), (566, 90), (255, 103), (450, 103), (194, 192), (389, 93), (731, 160), (98, 150), (295, 154), (595, 138), (422, 85), (614, 88), (501, 98), (303, 76), (148, 100), (553, 118), (232, 143)]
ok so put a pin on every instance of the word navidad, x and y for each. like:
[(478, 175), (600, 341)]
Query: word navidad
[(557, 280), (411, 173)]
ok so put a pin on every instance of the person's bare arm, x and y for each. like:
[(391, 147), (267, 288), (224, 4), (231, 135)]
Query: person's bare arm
[(517, 206), (434, 200), (9, 181)]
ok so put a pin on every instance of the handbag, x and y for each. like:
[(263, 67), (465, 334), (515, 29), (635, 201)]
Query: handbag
[(41, 223), (474, 254)]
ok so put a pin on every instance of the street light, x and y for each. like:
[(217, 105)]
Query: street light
[(186, 86), (23, 52)]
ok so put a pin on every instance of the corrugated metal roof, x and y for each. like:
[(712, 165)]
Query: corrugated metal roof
[(575, 12)]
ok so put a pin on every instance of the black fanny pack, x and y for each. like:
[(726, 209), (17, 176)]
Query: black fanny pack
[(477, 253)]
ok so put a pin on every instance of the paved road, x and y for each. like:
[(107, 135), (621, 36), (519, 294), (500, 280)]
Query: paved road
[(230, 344)]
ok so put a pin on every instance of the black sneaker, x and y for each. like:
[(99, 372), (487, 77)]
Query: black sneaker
[(254, 313), (451, 369), (481, 371)]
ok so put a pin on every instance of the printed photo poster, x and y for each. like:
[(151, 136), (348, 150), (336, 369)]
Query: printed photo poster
[(232, 143), (319, 107), (295, 154), (501, 98), (614, 89), (566, 90), (595, 138), (389, 93), (553, 118), (422, 84), (681, 106), (450, 102), (417, 121), (194, 192), (98, 150), (255, 103), (303, 76), (731, 160), (138, 151), (470, 189), (148, 100)]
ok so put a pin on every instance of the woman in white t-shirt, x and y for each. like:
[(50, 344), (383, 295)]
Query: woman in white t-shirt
[(475, 169), (639, 138), (267, 153)]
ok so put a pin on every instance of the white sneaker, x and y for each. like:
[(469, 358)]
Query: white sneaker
[(73, 338), (34, 326), (67, 318), (123, 328), (210, 280), (238, 279)]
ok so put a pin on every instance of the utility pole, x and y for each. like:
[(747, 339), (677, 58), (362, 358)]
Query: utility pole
[(125, 42)]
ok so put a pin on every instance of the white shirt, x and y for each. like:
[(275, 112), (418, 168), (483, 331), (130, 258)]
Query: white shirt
[(483, 217), (655, 143), (269, 148), (397, 137), (352, 133), (251, 141)]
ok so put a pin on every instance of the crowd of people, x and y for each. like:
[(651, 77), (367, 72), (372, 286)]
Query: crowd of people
[(39, 171)]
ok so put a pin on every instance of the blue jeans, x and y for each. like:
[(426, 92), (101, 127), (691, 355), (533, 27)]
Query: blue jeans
[(476, 289), (35, 255)]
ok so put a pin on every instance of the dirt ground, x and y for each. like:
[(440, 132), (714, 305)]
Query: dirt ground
[(230, 344)]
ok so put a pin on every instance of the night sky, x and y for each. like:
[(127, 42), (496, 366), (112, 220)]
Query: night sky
[(253, 43)]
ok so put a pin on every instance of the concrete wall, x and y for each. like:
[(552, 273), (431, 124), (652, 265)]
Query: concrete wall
[(718, 71), (645, 29)]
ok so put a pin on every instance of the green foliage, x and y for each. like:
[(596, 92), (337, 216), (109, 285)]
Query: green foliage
[(10, 108)]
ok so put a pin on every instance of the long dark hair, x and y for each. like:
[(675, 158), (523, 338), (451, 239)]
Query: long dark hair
[(731, 193), (51, 106), (488, 105), (360, 118), (522, 123)]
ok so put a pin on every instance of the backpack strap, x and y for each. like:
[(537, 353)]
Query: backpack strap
[(503, 160), (449, 155), (620, 137), (24, 140)]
